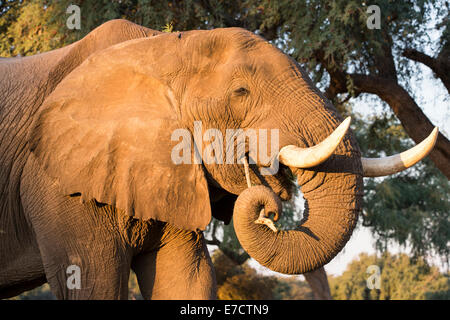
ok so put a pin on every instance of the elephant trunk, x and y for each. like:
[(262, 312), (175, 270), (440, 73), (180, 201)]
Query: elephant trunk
[(333, 193), (333, 196), (327, 225)]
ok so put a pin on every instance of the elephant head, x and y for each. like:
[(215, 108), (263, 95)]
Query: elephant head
[(109, 130)]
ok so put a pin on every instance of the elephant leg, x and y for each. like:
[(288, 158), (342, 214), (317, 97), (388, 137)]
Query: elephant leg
[(98, 280), (82, 259), (82, 251), (179, 268), (21, 266), (21, 271)]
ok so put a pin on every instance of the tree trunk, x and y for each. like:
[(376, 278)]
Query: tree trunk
[(317, 279), (414, 121), (385, 85), (318, 282)]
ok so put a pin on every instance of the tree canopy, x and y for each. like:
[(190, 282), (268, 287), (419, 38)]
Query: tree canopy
[(410, 208), (331, 38), (242, 282), (400, 278)]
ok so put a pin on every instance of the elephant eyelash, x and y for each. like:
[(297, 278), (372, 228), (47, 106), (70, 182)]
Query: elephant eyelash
[(241, 91)]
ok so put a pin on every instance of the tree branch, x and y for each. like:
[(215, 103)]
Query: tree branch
[(213, 242), (440, 65), (418, 56), (414, 121)]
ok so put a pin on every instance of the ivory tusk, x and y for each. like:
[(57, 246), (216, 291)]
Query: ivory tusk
[(377, 167), (293, 156)]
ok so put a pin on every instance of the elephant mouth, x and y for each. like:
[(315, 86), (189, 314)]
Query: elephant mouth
[(282, 183)]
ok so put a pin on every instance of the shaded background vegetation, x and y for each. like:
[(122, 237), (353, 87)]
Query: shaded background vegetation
[(352, 65), (401, 278)]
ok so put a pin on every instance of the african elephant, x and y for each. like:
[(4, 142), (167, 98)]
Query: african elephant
[(88, 177)]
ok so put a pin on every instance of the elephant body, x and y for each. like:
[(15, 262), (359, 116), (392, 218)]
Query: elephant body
[(86, 177), (32, 248)]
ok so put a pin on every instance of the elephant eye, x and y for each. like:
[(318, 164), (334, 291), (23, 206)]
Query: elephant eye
[(241, 91)]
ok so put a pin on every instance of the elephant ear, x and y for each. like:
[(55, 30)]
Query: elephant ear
[(105, 134)]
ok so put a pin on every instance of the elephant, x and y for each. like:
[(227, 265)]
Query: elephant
[(88, 177)]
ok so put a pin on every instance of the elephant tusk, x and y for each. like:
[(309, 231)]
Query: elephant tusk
[(377, 167), (293, 156)]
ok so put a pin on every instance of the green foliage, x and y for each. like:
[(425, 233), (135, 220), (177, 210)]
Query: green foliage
[(410, 208), (168, 28), (309, 30), (33, 26), (241, 282), (401, 278), (292, 289), (337, 32), (30, 27)]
